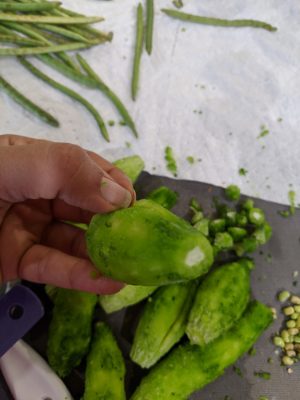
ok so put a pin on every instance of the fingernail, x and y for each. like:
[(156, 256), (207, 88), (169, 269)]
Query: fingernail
[(134, 197), (115, 194)]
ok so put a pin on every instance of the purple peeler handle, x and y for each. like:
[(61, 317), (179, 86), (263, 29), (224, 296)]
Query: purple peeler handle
[(28, 310)]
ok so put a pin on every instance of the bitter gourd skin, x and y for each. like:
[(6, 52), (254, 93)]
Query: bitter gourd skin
[(105, 369), (127, 296), (163, 322), (188, 367), (220, 301), (147, 245), (70, 329)]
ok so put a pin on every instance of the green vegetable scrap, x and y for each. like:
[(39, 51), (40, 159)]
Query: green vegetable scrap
[(270, 360), (111, 123), (265, 375), (190, 160), (250, 245), (164, 197), (189, 367), (242, 171), (195, 205), (147, 245), (238, 371), (129, 295), (171, 165), (224, 294), (162, 323), (256, 216), (132, 166), (263, 133), (252, 352), (70, 330), (178, 3), (223, 241), (149, 26), (218, 22), (284, 213), (292, 196), (138, 51), (232, 192), (105, 370)]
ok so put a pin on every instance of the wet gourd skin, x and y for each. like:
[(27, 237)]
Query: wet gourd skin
[(147, 245)]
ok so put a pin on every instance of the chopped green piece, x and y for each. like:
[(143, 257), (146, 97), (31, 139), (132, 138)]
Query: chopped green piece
[(164, 197), (197, 217), (279, 119), (105, 370), (128, 144), (256, 216), (178, 3), (238, 371), (171, 162), (223, 240), (248, 262), (241, 221), (265, 375), (203, 226), (292, 196), (250, 244), (111, 123), (216, 226), (295, 283), (195, 205), (262, 233), (242, 171), (264, 133), (270, 360), (130, 294), (190, 159), (252, 352), (232, 192), (284, 213), (122, 123), (230, 218), (239, 249), (295, 273), (132, 166), (237, 234), (247, 205), (262, 398)]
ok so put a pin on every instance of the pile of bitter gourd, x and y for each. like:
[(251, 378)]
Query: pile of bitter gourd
[(212, 309)]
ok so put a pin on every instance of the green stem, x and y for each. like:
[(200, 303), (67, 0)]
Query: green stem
[(114, 99), (19, 40), (138, 51), (28, 7), (69, 93), (24, 102), (149, 27), (42, 50), (33, 19), (218, 22)]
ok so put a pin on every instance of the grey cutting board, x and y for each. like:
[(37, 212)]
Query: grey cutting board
[(284, 248)]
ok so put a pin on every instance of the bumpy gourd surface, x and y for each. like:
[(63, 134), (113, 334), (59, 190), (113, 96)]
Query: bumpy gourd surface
[(190, 367), (70, 330), (127, 296), (162, 323), (147, 245), (105, 370), (220, 301)]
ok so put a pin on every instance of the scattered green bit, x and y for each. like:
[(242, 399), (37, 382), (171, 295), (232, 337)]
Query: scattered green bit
[(232, 192), (199, 159), (93, 274), (122, 123), (265, 375), (200, 112), (183, 30), (111, 123), (171, 165), (195, 205), (252, 352), (103, 184), (268, 259), (242, 171), (295, 283), (295, 273), (292, 196), (261, 278), (284, 213), (190, 159), (261, 252), (226, 398), (279, 119), (128, 144), (262, 398), (295, 359), (263, 133), (270, 360), (178, 3), (263, 127), (238, 371), (154, 168), (230, 133), (290, 185)]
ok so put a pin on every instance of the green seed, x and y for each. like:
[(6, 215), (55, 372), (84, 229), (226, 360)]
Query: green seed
[(283, 296), (285, 336), (288, 310), (287, 360), (297, 309), (278, 341), (294, 315)]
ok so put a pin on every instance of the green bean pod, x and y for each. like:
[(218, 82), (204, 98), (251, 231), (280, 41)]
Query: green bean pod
[(220, 301), (70, 330), (138, 51), (105, 370), (189, 367), (162, 323), (149, 26)]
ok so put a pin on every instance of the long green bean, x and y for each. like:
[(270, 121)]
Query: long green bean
[(19, 40), (115, 100), (149, 27), (219, 22), (24, 102), (42, 50), (33, 19), (66, 32), (29, 7), (138, 51), (69, 93)]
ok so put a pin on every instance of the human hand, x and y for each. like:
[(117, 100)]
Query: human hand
[(41, 184)]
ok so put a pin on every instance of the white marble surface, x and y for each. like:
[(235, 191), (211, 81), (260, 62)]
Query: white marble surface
[(240, 78)]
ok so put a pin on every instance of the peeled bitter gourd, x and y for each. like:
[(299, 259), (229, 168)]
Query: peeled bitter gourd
[(220, 301), (188, 367), (70, 330)]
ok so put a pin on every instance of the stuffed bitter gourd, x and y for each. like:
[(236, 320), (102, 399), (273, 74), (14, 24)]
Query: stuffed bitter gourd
[(147, 245), (220, 301), (70, 330), (163, 322), (188, 367), (127, 296), (105, 370)]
